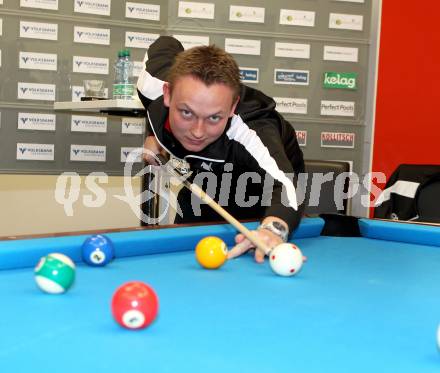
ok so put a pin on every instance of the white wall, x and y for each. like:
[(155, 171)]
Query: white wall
[(28, 205)]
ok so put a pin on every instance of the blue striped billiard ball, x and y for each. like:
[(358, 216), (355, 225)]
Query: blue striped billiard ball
[(97, 250)]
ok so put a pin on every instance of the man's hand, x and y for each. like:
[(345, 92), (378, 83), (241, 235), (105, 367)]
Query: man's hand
[(152, 146), (243, 244)]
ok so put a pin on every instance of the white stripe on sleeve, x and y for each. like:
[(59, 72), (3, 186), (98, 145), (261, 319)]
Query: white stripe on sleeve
[(404, 188), (240, 132), (150, 86)]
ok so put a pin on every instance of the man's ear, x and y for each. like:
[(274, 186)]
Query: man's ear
[(234, 105), (166, 94)]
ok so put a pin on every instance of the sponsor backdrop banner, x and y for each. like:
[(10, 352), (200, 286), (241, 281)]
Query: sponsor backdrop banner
[(312, 58)]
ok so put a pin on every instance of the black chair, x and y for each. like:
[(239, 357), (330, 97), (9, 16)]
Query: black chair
[(325, 187), (411, 193), (427, 200)]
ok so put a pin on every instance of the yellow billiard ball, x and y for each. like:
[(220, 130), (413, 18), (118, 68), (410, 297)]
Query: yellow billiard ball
[(211, 252)]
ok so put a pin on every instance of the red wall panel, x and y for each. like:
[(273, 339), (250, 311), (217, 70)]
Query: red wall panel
[(407, 127)]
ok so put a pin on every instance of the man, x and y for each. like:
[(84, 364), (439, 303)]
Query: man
[(200, 113)]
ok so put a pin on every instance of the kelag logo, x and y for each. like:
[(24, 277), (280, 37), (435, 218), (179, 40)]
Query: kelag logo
[(333, 80)]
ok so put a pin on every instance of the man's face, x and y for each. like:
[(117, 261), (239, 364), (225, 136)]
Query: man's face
[(198, 114)]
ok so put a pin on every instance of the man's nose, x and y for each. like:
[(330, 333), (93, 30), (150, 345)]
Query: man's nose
[(197, 130)]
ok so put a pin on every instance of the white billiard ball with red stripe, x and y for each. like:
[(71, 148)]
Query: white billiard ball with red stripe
[(286, 259)]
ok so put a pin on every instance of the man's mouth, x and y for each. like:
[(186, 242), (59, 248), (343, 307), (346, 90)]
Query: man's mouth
[(194, 142)]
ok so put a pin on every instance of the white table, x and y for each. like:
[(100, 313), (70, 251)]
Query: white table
[(112, 106)]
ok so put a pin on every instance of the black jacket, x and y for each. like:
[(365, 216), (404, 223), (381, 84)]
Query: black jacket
[(257, 139), (404, 196)]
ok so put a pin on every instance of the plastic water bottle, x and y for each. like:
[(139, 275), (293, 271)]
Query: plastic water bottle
[(123, 87)]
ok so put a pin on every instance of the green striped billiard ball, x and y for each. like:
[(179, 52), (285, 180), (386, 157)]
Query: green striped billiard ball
[(55, 273)]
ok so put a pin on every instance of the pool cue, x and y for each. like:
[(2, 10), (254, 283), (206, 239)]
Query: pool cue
[(194, 188)]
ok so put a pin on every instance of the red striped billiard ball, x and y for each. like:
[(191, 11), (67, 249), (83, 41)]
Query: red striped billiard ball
[(134, 305)]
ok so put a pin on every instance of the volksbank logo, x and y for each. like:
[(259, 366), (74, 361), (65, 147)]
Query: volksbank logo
[(39, 4), (36, 30), (88, 153), (34, 150), (36, 90), (334, 80), (90, 65), (82, 123), (37, 61), (136, 152), (133, 126), (100, 7), (142, 11), (139, 39), (39, 152), (92, 152), (36, 121), (33, 91), (91, 35)]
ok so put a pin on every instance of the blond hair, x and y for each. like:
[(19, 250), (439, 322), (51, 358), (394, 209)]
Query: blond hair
[(209, 64)]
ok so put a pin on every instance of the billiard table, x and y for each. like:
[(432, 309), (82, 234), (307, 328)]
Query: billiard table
[(369, 303)]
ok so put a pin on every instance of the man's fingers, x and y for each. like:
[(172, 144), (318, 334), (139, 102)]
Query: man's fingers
[(148, 158), (239, 249), (259, 256), (239, 238)]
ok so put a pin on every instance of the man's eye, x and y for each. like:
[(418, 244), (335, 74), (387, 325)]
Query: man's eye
[(215, 118), (186, 113)]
